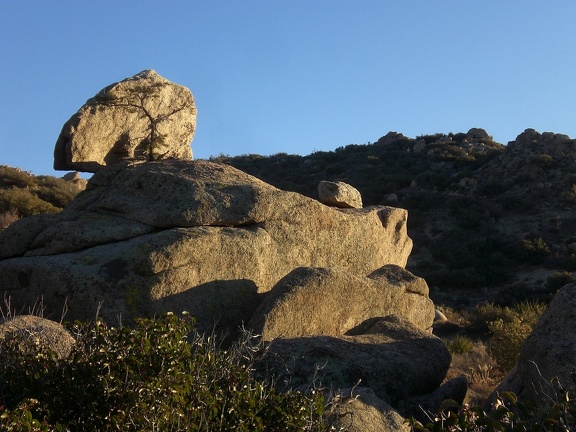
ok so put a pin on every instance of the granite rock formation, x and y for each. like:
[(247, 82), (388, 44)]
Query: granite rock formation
[(143, 117), (146, 238)]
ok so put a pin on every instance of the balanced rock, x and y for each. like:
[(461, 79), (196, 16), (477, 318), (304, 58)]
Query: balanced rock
[(393, 357), (322, 301), (339, 194), (143, 117), (147, 238), (41, 331), (548, 353)]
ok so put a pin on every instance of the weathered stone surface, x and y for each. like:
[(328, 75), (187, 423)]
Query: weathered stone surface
[(172, 235), (359, 410), (549, 352), (339, 194), (322, 301), (393, 358), (45, 332), (142, 117), (19, 236)]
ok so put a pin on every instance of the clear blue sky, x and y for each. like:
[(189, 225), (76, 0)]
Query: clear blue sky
[(294, 76)]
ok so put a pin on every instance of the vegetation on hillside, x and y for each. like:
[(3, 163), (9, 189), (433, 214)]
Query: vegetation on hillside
[(23, 194)]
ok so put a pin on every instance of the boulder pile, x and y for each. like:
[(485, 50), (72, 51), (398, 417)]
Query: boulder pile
[(323, 284)]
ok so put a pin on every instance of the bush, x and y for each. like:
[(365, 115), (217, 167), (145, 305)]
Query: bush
[(534, 249), (507, 413), (508, 327), (459, 345), (24, 202), (160, 375), (15, 177)]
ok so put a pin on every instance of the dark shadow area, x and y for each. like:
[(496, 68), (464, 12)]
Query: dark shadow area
[(222, 306)]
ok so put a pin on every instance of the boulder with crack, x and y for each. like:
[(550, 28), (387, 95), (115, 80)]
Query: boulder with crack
[(143, 117)]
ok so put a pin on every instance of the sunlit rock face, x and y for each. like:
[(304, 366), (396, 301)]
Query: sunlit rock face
[(144, 117)]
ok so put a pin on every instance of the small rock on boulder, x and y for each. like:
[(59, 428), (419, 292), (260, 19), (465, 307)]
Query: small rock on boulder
[(339, 194), (143, 117)]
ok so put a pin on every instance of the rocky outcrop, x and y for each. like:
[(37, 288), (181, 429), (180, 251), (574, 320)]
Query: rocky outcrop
[(40, 331), (545, 158), (393, 357), (146, 238), (330, 302), (548, 353), (143, 117), (339, 194)]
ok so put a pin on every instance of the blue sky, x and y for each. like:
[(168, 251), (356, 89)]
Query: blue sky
[(294, 76)]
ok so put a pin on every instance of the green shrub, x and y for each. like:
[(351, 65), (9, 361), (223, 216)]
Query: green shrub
[(160, 375), (459, 345), (24, 202), (534, 249), (507, 413), (570, 195), (15, 177), (509, 327)]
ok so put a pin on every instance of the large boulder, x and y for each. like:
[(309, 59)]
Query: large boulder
[(549, 353), (146, 238), (143, 117), (322, 301), (393, 357)]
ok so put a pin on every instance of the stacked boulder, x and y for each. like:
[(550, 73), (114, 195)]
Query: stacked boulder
[(142, 117), (324, 285)]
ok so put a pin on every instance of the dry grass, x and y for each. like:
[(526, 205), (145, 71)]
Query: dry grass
[(477, 364), (480, 368)]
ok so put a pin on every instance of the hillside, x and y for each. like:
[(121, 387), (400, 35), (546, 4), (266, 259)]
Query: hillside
[(489, 222), (23, 194)]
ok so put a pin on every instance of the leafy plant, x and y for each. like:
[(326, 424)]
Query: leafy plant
[(508, 327), (160, 375), (507, 413), (459, 345)]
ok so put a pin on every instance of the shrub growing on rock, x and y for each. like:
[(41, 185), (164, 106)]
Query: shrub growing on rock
[(159, 375)]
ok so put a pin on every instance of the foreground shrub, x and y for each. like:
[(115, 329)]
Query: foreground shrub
[(159, 376), (507, 413)]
